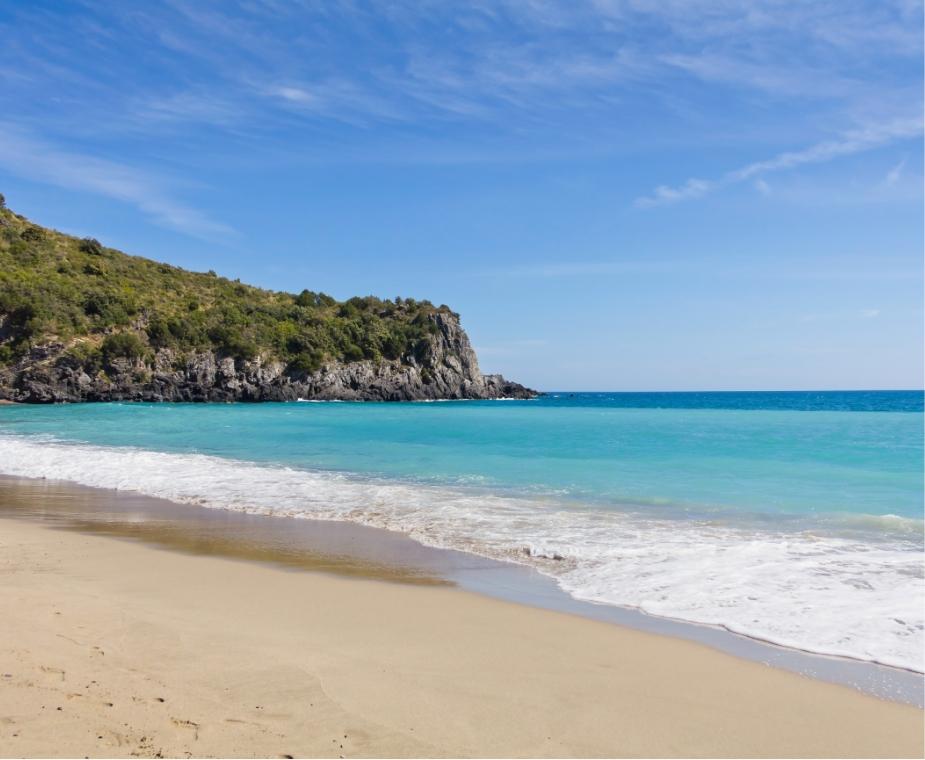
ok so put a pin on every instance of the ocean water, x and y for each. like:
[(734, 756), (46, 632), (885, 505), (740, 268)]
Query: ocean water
[(795, 518)]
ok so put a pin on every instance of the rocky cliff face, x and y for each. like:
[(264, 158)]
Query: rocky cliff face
[(448, 369)]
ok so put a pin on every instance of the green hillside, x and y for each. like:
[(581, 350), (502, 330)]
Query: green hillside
[(102, 303)]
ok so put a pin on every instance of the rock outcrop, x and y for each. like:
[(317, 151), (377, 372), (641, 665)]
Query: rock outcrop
[(447, 369)]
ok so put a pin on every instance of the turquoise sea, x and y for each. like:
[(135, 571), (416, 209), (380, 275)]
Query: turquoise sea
[(791, 517)]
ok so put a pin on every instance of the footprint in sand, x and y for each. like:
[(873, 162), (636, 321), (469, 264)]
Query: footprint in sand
[(113, 737), (187, 724), (58, 671)]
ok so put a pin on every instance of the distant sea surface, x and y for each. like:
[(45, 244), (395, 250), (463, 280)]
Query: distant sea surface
[(791, 517)]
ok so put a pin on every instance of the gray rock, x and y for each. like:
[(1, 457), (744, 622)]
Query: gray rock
[(448, 369)]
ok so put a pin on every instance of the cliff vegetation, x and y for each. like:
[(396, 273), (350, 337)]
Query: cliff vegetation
[(82, 321), (103, 303)]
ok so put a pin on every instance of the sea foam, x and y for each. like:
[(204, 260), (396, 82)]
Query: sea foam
[(828, 594)]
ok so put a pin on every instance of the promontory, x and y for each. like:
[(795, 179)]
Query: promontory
[(83, 322)]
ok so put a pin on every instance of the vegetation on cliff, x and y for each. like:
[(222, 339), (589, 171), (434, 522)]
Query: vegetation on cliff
[(103, 304)]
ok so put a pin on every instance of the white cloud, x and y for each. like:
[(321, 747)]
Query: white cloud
[(850, 143), (39, 161), (762, 187), (870, 313), (293, 94), (508, 54), (893, 175), (693, 188), (572, 72)]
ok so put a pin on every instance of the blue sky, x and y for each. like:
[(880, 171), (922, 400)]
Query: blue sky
[(615, 194)]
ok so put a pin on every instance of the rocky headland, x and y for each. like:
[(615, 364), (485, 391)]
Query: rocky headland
[(83, 322), (447, 369)]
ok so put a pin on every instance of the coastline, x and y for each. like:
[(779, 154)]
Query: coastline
[(747, 577), (237, 649), (355, 550)]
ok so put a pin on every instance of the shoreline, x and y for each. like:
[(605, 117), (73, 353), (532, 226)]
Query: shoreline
[(354, 550), (149, 651), (745, 577), (696, 545)]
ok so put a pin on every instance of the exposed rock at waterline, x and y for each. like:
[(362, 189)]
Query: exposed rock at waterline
[(448, 369)]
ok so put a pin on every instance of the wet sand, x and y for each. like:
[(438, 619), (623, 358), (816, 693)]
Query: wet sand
[(361, 551), (203, 650)]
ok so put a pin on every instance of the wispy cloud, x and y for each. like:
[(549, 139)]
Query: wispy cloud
[(408, 60), (292, 94), (663, 194), (189, 107), (38, 160), (731, 69), (850, 143), (893, 175), (523, 78)]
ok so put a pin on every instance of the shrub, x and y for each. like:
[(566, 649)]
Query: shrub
[(241, 347), (232, 343), (109, 308), (188, 332), (353, 353), (159, 334), (25, 321), (22, 251), (305, 363), (393, 346), (308, 299), (91, 246), (297, 344), (122, 346), (348, 310), (71, 288)]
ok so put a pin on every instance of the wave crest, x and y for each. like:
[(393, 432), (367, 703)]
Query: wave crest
[(828, 594)]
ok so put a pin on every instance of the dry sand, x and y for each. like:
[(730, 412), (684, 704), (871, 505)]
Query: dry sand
[(114, 648)]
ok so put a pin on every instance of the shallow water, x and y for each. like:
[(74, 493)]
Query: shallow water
[(795, 518), (358, 551)]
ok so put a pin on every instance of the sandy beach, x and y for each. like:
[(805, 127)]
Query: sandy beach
[(114, 648)]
